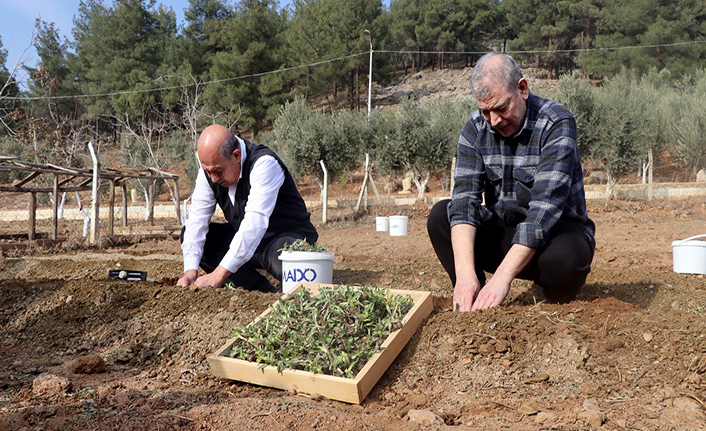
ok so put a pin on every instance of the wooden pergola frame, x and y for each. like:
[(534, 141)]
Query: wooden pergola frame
[(63, 181)]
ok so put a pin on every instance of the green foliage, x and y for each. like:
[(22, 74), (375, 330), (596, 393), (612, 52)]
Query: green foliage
[(306, 137), (580, 98), (424, 138), (335, 332), (688, 108), (176, 148), (120, 48), (302, 245)]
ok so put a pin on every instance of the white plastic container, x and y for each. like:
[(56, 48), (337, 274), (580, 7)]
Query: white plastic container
[(398, 225), (689, 256), (382, 224), (305, 266)]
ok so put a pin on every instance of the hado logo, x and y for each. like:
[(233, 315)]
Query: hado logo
[(300, 274)]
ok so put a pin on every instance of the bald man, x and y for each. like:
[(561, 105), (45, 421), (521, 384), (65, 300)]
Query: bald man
[(261, 204)]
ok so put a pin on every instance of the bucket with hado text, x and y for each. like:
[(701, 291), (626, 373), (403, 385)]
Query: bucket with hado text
[(306, 267)]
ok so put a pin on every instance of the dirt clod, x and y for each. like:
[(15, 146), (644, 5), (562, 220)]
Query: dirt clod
[(88, 364)]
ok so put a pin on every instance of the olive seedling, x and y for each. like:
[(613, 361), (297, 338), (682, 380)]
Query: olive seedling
[(334, 333)]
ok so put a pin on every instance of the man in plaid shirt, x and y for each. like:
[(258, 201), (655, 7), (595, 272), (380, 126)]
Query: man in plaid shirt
[(519, 152)]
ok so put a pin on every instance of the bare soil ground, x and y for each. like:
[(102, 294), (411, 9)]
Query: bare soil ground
[(629, 354)]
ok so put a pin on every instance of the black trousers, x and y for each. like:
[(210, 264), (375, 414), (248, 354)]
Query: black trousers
[(560, 267), (265, 257)]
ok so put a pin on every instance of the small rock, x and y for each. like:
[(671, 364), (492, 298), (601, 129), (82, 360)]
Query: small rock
[(537, 378), (125, 354), (424, 417), (88, 364), (103, 391), (85, 347), (545, 418), (592, 418), (694, 378), (168, 333), (45, 412), (418, 400), (486, 349), (647, 336), (529, 409), (50, 385), (591, 404), (121, 399)]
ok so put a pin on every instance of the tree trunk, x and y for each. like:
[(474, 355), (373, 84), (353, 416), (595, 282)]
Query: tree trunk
[(610, 186)]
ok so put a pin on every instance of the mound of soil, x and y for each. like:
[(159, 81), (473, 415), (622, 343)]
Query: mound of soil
[(630, 353)]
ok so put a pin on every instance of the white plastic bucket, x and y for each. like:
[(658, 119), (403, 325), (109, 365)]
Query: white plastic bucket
[(382, 224), (398, 225), (689, 255), (305, 266)]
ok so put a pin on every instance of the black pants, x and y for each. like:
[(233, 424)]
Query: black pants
[(560, 267), (265, 257)]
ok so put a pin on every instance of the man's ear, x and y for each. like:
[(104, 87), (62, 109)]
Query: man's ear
[(235, 155), (523, 88)]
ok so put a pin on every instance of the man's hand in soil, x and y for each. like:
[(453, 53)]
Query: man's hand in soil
[(492, 294), (465, 293), (215, 279), (188, 278)]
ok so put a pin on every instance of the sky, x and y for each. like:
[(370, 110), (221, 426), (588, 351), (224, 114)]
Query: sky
[(18, 17)]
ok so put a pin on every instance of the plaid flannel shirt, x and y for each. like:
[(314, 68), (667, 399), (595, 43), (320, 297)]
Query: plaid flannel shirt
[(531, 180)]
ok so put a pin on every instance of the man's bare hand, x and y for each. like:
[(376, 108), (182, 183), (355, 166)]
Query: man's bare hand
[(188, 278), (492, 294), (215, 279), (465, 293)]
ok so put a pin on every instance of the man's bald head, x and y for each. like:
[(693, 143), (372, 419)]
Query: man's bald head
[(217, 139), (219, 154)]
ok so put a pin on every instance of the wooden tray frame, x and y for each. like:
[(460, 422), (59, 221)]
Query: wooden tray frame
[(338, 388)]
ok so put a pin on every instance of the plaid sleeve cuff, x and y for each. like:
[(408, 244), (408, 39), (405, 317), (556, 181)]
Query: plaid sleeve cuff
[(468, 211), (530, 235)]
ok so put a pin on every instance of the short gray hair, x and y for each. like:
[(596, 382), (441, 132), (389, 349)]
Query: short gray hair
[(506, 71), (228, 146)]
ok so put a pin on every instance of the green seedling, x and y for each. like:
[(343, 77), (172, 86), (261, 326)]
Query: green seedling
[(335, 332), (301, 245)]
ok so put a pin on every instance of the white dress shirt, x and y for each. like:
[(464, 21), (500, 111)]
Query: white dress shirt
[(266, 178)]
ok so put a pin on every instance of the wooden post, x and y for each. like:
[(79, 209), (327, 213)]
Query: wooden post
[(364, 189), (111, 209), (176, 201), (95, 204), (32, 216), (124, 186), (153, 192), (55, 209), (650, 185), (324, 194)]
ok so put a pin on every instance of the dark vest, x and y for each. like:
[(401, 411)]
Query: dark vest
[(289, 213)]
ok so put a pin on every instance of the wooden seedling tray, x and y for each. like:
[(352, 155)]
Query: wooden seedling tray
[(338, 388)]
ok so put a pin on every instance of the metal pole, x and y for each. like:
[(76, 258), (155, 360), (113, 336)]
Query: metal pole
[(370, 70)]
